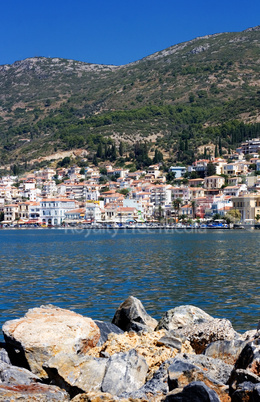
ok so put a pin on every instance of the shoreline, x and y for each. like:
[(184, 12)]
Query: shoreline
[(56, 354)]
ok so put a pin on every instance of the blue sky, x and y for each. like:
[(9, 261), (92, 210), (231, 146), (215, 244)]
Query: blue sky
[(113, 31)]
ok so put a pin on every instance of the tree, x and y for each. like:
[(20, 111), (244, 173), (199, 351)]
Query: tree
[(220, 146), (113, 153), (65, 162), (191, 98), (170, 177), (211, 169), (15, 169), (257, 217), (193, 206), (124, 191), (100, 151), (121, 148), (176, 205), (158, 156), (103, 171), (234, 215), (95, 161), (105, 152), (216, 150)]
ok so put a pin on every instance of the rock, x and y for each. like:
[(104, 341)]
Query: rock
[(156, 387), (32, 393), (16, 375), (126, 372), (248, 335), (97, 397), (76, 374), (131, 315), (197, 391), (176, 373), (246, 370), (200, 49), (106, 328), (214, 368), (239, 377), (247, 392), (4, 356), (183, 372), (146, 344), (228, 351), (249, 357), (46, 331), (202, 334), (181, 316), (121, 372), (170, 341)]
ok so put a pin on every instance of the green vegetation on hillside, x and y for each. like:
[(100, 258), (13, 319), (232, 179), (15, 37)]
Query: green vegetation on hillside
[(192, 94)]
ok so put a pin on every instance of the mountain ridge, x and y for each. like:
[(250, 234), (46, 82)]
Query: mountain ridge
[(214, 78), (250, 29)]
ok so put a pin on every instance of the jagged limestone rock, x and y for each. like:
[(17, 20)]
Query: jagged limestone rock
[(131, 315), (228, 351), (32, 393), (126, 372), (16, 375), (200, 335), (46, 331), (182, 316), (196, 391), (106, 328), (76, 373)]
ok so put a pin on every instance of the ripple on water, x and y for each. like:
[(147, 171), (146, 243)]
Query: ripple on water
[(216, 271)]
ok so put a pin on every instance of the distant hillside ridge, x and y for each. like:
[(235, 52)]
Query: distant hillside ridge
[(186, 92)]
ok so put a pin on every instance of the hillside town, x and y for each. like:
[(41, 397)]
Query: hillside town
[(69, 196)]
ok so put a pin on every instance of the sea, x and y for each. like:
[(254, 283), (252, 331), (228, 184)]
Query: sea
[(93, 271)]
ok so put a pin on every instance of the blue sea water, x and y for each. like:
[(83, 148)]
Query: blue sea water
[(93, 271)]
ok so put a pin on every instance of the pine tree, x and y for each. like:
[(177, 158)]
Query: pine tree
[(220, 146), (106, 151), (216, 150), (121, 149), (100, 150), (95, 161), (113, 153)]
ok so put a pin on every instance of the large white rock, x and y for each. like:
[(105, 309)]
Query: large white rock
[(46, 331), (181, 316)]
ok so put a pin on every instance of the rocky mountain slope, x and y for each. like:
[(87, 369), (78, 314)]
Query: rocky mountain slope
[(178, 94)]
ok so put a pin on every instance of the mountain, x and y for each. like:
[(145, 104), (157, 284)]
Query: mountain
[(192, 93)]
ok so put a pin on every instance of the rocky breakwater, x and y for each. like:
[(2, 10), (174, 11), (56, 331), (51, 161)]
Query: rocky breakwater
[(52, 354)]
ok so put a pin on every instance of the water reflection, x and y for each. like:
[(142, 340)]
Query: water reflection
[(217, 271)]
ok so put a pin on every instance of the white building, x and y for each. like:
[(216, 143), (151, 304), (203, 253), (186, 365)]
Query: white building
[(251, 146), (93, 212), (52, 210), (178, 170), (160, 194)]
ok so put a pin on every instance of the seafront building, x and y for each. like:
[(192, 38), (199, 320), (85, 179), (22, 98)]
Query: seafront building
[(52, 210), (66, 196), (248, 206)]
